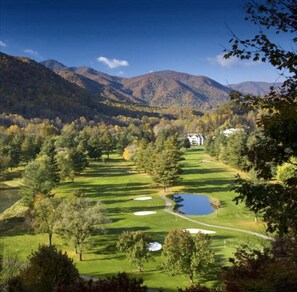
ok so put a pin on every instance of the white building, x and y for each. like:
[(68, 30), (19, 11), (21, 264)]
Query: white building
[(231, 131), (196, 139)]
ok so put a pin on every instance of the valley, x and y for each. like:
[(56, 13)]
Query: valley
[(115, 183)]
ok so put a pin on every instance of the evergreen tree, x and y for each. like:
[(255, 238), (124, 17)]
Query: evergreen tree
[(39, 177), (14, 151), (49, 149), (65, 164), (236, 149), (79, 160), (94, 147), (28, 150), (166, 169)]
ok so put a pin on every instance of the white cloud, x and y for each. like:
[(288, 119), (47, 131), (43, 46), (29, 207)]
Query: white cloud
[(113, 63), (121, 73), (33, 53), (220, 60), (3, 44), (231, 62)]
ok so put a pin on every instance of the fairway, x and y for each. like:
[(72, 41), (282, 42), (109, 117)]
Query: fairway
[(116, 185)]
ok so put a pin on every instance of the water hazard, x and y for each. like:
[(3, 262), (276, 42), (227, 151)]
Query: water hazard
[(190, 204)]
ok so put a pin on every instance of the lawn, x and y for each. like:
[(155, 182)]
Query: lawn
[(115, 184)]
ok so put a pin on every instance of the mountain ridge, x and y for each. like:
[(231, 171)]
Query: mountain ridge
[(165, 88), (257, 88), (32, 90), (52, 89)]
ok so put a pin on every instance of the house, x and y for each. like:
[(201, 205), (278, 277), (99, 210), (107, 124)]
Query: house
[(231, 131), (196, 139)]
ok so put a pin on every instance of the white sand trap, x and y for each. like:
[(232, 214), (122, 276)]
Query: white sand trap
[(154, 246), (142, 198), (195, 230), (142, 213)]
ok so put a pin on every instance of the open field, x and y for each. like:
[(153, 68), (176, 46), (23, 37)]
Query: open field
[(116, 184)]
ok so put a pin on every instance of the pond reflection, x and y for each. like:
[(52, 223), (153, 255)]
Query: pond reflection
[(190, 204)]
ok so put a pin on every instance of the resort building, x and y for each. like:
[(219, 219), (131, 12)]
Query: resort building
[(231, 131), (196, 139)]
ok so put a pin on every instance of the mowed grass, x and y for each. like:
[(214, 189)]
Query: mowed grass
[(204, 175), (115, 184)]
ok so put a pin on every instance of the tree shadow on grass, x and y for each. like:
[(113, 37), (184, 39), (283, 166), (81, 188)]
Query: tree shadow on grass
[(199, 170), (114, 190), (13, 227), (208, 186)]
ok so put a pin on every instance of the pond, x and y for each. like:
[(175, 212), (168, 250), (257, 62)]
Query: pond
[(190, 204)]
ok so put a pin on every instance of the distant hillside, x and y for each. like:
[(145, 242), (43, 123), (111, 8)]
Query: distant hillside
[(98, 83), (254, 88), (170, 88), (30, 89), (163, 89)]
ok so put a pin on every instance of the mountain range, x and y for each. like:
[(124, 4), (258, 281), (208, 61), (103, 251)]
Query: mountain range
[(162, 89), (51, 89), (30, 89), (254, 88)]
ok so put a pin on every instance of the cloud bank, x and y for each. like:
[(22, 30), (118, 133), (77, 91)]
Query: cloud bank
[(113, 63)]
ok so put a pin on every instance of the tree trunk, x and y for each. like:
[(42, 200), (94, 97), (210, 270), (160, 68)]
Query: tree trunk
[(50, 235), (80, 255), (191, 278)]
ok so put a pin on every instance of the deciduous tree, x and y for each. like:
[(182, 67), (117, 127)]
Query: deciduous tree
[(48, 269), (46, 216), (79, 218), (136, 245), (278, 122), (187, 255)]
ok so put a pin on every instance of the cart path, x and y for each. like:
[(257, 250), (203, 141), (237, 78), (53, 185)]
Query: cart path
[(168, 204)]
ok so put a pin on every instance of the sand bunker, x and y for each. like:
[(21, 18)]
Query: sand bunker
[(154, 246), (142, 213), (194, 230), (142, 198)]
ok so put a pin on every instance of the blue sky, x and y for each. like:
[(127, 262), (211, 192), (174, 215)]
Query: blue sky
[(132, 37)]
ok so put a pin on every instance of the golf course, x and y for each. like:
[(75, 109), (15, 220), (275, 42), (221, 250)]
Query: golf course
[(116, 184)]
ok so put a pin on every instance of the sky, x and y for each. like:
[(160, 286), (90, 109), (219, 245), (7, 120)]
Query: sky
[(132, 37)]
